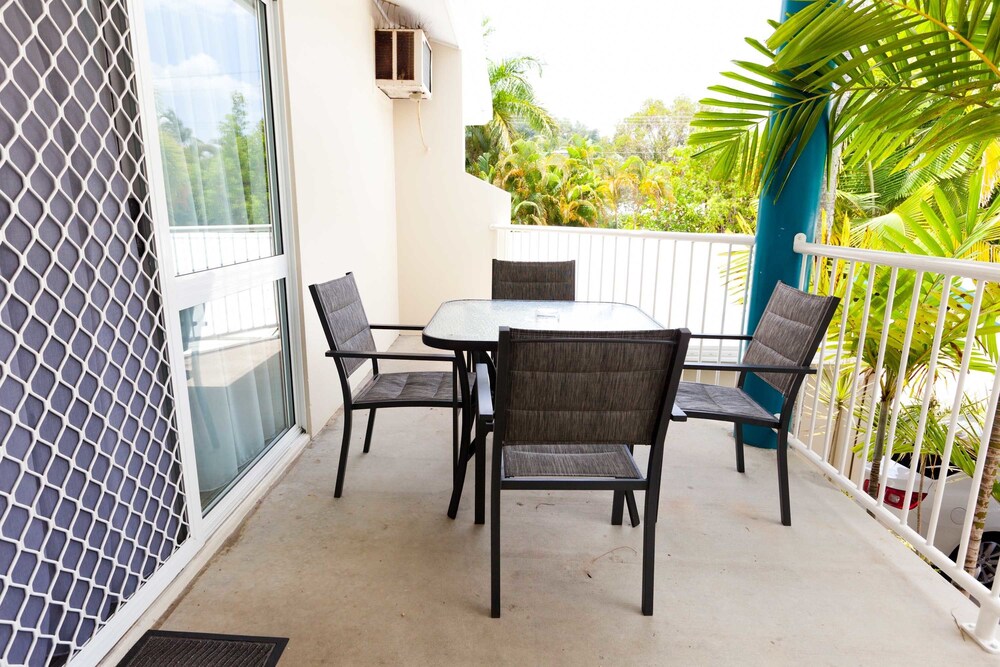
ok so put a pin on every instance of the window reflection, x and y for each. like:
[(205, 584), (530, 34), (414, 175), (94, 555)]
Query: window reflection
[(213, 105), (238, 385)]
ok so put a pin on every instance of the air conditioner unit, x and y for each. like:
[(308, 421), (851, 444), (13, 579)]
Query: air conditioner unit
[(403, 64)]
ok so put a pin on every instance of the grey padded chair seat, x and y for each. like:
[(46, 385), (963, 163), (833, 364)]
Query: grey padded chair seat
[(705, 401), (569, 461), (412, 387)]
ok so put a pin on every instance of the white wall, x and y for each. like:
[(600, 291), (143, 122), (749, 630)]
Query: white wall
[(444, 242), (343, 173)]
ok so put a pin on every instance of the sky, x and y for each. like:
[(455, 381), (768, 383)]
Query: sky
[(202, 52), (603, 58)]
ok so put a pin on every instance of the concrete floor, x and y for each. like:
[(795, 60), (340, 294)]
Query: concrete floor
[(382, 576)]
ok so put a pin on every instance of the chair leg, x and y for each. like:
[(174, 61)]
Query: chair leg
[(786, 505), (618, 508), (342, 468), (495, 537), (648, 560), (738, 435), (480, 476), (633, 511), (368, 433)]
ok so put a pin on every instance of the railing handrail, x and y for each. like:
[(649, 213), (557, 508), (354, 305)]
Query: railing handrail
[(734, 239), (959, 268)]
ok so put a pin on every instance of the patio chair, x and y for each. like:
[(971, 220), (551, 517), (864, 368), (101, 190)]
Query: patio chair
[(569, 407), (534, 281), (349, 336), (780, 353)]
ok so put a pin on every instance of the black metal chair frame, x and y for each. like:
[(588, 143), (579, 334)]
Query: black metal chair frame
[(782, 422), (456, 403), (490, 419)]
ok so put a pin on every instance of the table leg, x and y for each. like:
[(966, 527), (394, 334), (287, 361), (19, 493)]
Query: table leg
[(466, 447), (480, 453)]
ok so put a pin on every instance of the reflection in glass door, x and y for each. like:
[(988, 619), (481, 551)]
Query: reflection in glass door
[(237, 377), (210, 77)]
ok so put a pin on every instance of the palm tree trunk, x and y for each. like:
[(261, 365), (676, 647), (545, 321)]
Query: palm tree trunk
[(828, 197), (985, 494), (876, 473)]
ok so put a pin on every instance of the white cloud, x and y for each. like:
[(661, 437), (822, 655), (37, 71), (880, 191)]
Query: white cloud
[(201, 92)]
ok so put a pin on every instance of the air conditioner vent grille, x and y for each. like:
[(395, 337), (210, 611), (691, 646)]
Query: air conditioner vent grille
[(383, 54), (404, 56)]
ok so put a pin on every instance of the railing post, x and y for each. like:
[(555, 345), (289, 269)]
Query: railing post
[(788, 206), (984, 630)]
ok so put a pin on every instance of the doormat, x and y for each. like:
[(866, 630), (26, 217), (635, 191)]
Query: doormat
[(160, 648)]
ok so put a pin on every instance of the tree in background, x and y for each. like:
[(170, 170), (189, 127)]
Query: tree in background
[(644, 178), (515, 106), (655, 130), (220, 182)]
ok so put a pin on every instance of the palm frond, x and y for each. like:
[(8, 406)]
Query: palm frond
[(915, 81)]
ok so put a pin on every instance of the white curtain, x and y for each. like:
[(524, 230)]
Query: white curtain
[(236, 383)]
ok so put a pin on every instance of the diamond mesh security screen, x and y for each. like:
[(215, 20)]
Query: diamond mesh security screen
[(91, 503)]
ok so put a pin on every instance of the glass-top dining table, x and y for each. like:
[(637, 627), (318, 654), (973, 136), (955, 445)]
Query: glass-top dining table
[(473, 326)]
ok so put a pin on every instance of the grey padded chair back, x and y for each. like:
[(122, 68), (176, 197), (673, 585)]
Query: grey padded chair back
[(343, 317), (558, 387), (789, 333), (538, 281)]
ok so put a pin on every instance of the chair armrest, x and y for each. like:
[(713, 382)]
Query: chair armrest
[(397, 327), (751, 368), (678, 415), (721, 337), (484, 395), (402, 356)]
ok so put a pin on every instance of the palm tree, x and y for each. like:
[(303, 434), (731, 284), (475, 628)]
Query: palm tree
[(620, 183), (515, 106), (986, 490), (914, 79)]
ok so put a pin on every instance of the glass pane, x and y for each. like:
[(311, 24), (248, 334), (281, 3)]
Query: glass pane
[(213, 104), (238, 382)]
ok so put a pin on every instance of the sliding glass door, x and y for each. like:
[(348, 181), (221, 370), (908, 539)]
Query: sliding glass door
[(208, 77)]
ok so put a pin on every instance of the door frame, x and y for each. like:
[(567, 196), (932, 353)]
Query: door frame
[(180, 292)]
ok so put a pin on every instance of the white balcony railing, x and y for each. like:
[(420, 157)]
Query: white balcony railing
[(198, 248), (698, 281), (201, 248), (900, 364)]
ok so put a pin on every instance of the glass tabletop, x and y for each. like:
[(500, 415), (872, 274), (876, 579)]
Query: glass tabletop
[(474, 324)]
